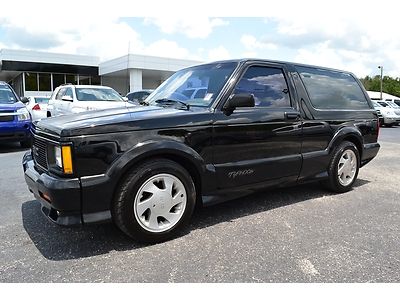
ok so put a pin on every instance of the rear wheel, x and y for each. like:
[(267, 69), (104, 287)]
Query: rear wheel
[(155, 201), (343, 168)]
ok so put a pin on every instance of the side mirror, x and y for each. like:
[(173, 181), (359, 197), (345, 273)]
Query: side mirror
[(24, 100), (67, 98), (239, 100)]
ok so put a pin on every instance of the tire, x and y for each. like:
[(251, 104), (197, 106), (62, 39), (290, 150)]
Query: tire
[(26, 143), (154, 201), (389, 125), (346, 153)]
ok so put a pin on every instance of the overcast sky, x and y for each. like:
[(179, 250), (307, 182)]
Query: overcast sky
[(352, 35)]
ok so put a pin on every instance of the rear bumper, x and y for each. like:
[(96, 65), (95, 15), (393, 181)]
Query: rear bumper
[(60, 198), (369, 152)]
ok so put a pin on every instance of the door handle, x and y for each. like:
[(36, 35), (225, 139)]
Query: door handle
[(292, 115)]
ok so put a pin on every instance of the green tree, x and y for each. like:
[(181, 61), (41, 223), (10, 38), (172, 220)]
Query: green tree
[(389, 85)]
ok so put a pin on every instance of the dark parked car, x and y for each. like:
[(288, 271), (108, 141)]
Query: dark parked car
[(138, 96), (259, 124), (15, 120)]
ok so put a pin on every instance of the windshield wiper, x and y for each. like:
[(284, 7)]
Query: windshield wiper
[(172, 101)]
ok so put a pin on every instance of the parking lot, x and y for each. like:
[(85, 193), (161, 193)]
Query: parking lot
[(297, 234)]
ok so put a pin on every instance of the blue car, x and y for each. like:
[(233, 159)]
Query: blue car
[(15, 120)]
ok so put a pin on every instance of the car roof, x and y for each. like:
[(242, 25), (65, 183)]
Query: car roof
[(86, 86), (259, 60)]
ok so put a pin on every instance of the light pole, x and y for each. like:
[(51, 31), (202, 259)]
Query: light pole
[(381, 67)]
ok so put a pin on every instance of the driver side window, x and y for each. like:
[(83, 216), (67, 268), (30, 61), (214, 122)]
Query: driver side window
[(68, 92), (60, 93), (267, 84)]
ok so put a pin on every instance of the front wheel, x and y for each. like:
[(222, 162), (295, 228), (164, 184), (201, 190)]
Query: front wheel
[(155, 201), (343, 168)]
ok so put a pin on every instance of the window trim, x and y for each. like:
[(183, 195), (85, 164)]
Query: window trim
[(332, 109), (282, 67)]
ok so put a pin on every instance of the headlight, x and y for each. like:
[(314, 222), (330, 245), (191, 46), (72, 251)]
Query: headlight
[(58, 157), (23, 114), (63, 158)]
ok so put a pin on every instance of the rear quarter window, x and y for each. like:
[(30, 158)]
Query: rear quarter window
[(332, 89)]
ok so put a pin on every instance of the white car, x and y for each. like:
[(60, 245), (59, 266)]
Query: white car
[(390, 115), (395, 101), (37, 107), (69, 99)]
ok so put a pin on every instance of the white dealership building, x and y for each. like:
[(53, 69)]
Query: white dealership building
[(39, 73)]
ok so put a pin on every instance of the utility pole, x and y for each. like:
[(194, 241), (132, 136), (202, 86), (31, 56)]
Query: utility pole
[(381, 67)]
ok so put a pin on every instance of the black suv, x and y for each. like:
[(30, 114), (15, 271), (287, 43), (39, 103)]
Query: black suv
[(258, 124)]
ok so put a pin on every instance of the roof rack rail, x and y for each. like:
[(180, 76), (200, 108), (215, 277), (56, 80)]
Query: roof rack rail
[(68, 83)]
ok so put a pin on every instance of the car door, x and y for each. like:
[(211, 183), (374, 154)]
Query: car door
[(68, 105), (57, 103), (262, 143)]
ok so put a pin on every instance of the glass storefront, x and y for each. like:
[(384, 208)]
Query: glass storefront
[(44, 82), (47, 82), (31, 82), (58, 79)]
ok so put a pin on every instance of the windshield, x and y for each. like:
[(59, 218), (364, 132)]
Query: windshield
[(93, 94), (391, 104), (7, 96), (41, 100), (376, 104), (195, 86), (383, 104)]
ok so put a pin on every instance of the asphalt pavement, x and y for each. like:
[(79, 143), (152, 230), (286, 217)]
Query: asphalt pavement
[(297, 234)]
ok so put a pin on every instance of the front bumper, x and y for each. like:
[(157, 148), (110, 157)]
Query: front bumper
[(60, 198), (391, 120), (15, 131)]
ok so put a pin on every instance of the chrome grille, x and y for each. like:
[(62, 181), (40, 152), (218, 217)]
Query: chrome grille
[(39, 152), (5, 118)]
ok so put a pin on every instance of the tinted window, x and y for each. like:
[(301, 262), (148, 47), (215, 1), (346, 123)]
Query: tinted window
[(31, 82), (268, 85), (332, 89), (44, 82), (58, 79)]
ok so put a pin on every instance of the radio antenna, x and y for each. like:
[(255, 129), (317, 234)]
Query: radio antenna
[(127, 69)]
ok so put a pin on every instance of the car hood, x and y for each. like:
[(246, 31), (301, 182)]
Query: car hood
[(99, 105), (386, 109), (11, 106), (122, 119)]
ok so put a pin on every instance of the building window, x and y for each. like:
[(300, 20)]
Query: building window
[(73, 79), (96, 80), (84, 79), (31, 82), (58, 79), (44, 82)]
